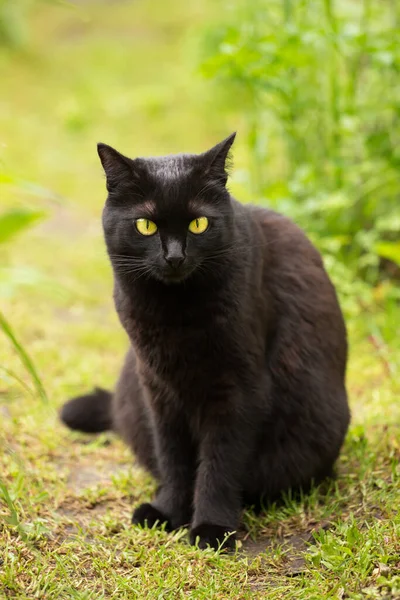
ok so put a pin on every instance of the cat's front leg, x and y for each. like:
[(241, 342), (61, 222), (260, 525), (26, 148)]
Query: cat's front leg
[(172, 504), (224, 455)]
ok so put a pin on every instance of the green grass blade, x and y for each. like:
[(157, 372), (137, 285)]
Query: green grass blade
[(14, 519), (25, 358), (14, 376)]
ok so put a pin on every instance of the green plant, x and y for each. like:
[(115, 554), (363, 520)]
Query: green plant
[(14, 30), (13, 223), (24, 357), (317, 85)]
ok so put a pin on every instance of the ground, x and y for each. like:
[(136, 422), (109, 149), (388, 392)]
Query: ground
[(66, 499)]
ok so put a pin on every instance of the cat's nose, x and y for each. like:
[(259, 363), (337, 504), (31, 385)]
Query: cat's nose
[(175, 261), (174, 255)]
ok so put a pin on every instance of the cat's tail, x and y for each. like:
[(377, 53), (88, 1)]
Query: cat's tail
[(90, 413)]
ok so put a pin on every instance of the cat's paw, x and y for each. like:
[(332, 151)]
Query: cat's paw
[(215, 536), (147, 515)]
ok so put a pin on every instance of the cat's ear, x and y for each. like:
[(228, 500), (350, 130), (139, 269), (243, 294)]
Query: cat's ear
[(217, 160), (117, 167)]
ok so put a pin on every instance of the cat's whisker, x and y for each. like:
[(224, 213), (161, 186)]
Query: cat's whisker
[(130, 263), (127, 258), (132, 269)]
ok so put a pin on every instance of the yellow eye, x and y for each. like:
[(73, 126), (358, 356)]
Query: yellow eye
[(198, 225), (146, 227)]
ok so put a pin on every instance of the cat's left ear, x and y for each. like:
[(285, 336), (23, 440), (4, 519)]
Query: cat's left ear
[(216, 160), (117, 167)]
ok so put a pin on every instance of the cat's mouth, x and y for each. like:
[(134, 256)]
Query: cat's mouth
[(171, 276)]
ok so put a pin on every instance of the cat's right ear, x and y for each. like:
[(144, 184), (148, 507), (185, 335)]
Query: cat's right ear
[(117, 167), (216, 161)]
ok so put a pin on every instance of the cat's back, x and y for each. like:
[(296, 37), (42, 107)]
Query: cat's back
[(289, 259), (295, 278), (286, 244)]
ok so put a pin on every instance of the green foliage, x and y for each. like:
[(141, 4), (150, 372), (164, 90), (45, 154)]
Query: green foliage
[(14, 222), (14, 30), (317, 84)]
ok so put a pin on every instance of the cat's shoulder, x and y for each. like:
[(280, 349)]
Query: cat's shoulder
[(282, 236), (270, 222)]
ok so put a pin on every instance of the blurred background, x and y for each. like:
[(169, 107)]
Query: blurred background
[(311, 86)]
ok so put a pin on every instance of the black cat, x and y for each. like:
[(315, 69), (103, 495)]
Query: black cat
[(233, 386)]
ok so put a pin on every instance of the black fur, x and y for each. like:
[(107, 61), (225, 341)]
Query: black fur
[(215, 536), (146, 514), (91, 413), (233, 385)]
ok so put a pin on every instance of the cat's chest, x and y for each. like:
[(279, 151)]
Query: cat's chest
[(178, 346), (174, 346)]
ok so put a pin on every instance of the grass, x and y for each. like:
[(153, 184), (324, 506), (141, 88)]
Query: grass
[(123, 75)]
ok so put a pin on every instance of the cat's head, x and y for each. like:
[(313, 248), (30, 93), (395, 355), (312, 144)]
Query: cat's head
[(167, 218)]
